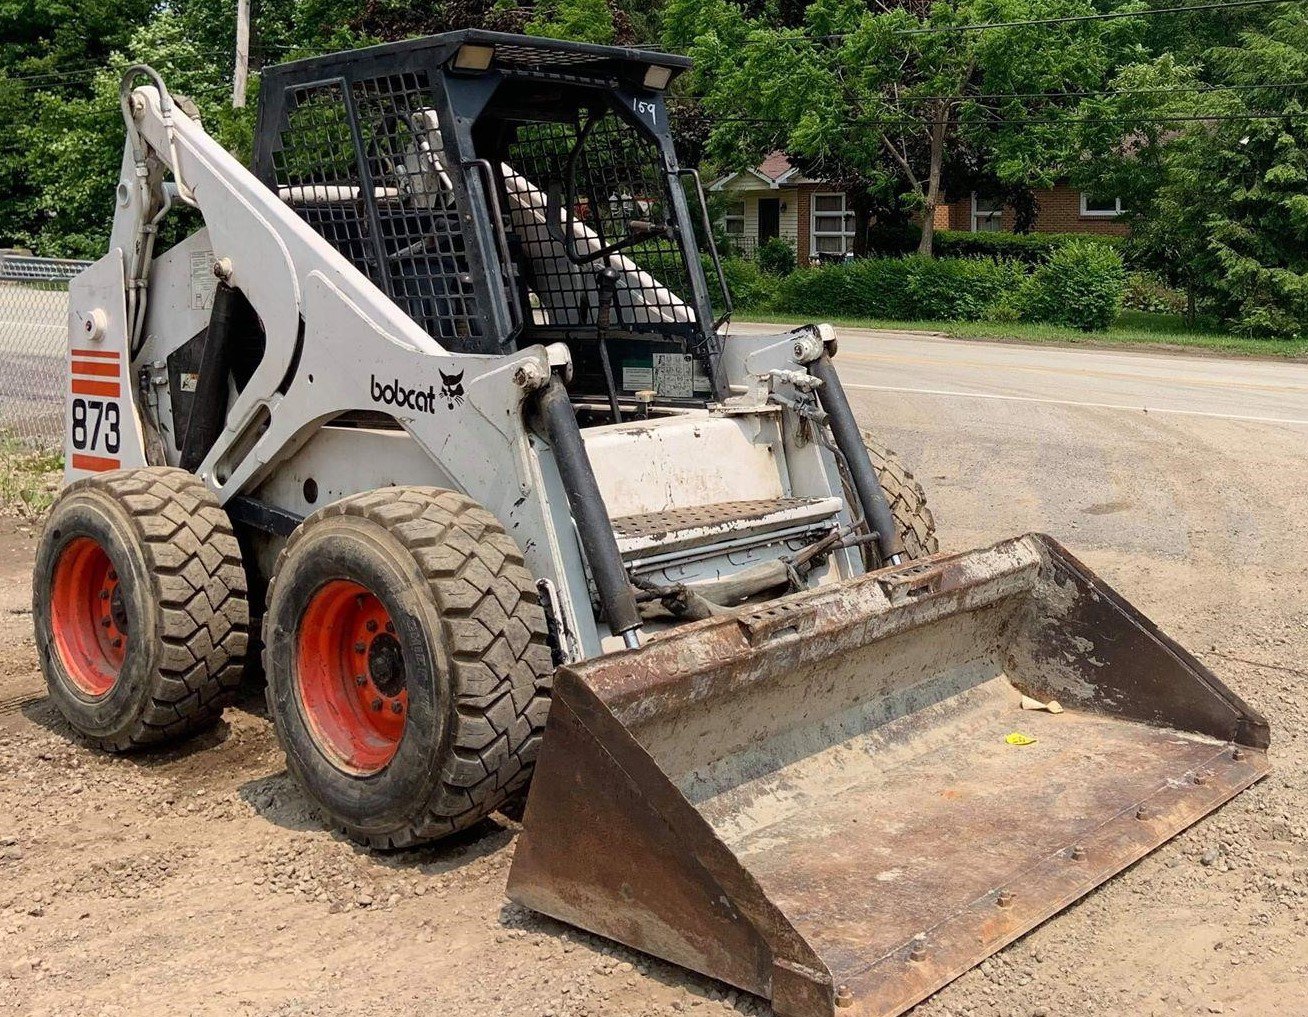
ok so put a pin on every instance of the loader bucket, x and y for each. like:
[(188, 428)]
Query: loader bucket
[(818, 802)]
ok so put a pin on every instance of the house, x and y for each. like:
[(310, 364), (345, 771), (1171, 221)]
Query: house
[(775, 200), (1059, 209)]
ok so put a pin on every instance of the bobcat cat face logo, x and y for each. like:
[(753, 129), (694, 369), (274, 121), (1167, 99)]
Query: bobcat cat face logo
[(452, 389)]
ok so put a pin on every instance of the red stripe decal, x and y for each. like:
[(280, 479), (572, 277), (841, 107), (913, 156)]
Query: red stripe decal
[(93, 367), (98, 388), (99, 464), (99, 354)]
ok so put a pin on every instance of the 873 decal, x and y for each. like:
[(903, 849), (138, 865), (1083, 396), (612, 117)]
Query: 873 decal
[(95, 426), (95, 418)]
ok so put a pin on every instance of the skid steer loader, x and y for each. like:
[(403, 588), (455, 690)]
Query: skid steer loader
[(443, 391)]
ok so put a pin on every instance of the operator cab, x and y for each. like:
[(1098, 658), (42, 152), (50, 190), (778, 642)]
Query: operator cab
[(507, 191)]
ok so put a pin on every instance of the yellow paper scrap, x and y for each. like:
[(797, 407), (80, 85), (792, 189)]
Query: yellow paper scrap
[(1018, 738)]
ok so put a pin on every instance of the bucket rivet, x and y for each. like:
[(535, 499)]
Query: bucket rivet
[(1005, 898), (1237, 754), (1078, 853), (844, 997), (918, 950), (1142, 812)]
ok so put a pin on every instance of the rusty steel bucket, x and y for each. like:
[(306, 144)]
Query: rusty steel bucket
[(818, 802)]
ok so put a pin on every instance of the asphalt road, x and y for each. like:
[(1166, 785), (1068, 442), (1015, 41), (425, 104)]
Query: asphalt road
[(1112, 450)]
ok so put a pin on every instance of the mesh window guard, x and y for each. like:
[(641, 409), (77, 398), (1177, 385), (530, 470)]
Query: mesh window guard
[(583, 199), (408, 240)]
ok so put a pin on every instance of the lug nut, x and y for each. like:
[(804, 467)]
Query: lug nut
[(1078, 853), (371, 625), (360, 680), (118, 643), (1005, 898), (390, 628), (1237, 754), (844, 997), (397, 707), (104, 623), (104, 594), (377, 704), (359, 648), (113, 576)]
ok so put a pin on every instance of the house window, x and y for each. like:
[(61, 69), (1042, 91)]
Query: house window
[(1092, 205), (733, 221), (987, 214), (833, 225)]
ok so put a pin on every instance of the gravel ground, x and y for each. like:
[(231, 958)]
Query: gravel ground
[(199, 881)]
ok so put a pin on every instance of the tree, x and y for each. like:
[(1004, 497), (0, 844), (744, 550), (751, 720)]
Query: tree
[(883, 97), (1214, 168)]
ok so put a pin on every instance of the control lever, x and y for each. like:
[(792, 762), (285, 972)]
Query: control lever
[(606, 281)]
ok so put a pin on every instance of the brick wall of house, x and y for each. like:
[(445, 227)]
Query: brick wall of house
[(1058, 210), (804, 244)]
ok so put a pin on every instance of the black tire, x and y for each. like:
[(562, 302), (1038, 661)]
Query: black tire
[(475, 664), (917, 526), (171, 579)]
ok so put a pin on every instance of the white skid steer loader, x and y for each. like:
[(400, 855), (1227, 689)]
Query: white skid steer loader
[(439, 391)]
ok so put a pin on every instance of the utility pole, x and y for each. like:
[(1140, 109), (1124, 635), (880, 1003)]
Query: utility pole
[(242, 53)]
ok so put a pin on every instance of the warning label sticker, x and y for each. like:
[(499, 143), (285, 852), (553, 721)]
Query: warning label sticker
[(674, 375), (203, 283), (670, 375)]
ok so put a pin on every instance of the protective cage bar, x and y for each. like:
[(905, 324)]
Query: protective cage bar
[(479, 240)]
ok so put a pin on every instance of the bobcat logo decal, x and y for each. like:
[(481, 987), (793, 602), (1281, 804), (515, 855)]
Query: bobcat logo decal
[(452, 389)]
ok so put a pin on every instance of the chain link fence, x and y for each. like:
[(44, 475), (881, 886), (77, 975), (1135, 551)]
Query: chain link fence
[(33, 346)]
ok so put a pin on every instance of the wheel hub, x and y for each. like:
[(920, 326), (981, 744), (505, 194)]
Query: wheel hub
[(386, 664), (88, 616), (351, 677)]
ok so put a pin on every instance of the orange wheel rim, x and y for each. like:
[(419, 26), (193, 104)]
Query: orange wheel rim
[(88, 616), (351, 677)]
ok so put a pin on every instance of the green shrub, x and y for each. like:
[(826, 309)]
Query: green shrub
[(1080, 286), (893, 238), (959, 289), (1146, 292), (869, 288), (1260, 318), (1032, 248), (776, 257), (898, 288), (751, 289)]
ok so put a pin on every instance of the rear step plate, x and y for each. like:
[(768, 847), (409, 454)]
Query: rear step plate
[(819, 802)]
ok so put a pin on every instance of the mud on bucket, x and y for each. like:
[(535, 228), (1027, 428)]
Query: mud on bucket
[(820, 802)]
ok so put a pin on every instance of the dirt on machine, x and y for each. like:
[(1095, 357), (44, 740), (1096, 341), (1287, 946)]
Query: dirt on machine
[(439, 400)]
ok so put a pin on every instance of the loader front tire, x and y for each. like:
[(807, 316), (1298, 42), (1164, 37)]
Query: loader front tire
[(407, 662), (139, 605), (917, 526)]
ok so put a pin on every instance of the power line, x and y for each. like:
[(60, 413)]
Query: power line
[(1090, 93), (1075, 18), (1025, 121)]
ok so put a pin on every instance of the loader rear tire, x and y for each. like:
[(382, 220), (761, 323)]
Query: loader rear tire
[(139, 604), (917, 526), (407, 662)]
